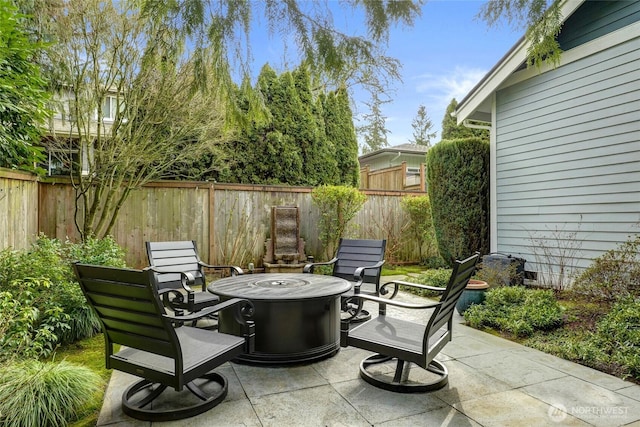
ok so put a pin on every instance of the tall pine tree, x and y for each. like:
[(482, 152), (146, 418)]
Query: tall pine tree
[(341, 132)]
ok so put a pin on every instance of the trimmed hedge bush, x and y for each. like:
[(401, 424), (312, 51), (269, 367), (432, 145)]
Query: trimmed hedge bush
[(458, 182)]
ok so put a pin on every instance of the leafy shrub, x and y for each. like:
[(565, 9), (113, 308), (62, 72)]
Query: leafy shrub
[(41, 304), (614, 274), (517, 310), (458, 181), (434, 262), (29, 320), (337, 205), (435, 277), (421, 225), (618, 335), (496, 274), (34, 393)]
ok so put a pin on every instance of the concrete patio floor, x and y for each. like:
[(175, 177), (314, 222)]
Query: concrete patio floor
[(492, 382)]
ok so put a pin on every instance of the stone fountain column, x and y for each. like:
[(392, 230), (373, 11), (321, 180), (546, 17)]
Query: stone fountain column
[(284, 251)]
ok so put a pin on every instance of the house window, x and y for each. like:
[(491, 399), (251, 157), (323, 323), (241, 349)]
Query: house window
[(61, 162), (110, 108), (63, 158)]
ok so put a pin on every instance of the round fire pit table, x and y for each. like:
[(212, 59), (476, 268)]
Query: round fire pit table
[(297, 316)]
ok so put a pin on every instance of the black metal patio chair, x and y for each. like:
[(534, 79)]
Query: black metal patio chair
[(132, 315), (406, 342), (177, 263), (360, 262)]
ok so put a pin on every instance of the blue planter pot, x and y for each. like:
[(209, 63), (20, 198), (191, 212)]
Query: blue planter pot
[(472, 294)]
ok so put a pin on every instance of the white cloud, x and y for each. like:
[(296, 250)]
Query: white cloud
[(440, 89)]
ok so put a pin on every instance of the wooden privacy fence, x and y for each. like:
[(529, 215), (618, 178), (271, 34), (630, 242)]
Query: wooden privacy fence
[(393, 178), (18, 209), (230, 222)]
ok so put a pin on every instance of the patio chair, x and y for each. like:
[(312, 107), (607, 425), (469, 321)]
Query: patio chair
[(360, 262), (174, 263), (393, 338), (132, 315)]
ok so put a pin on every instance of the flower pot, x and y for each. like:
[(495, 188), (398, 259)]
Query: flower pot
[(472, 294)]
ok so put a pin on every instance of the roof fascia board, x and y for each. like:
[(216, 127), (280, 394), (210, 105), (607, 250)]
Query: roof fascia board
[(592, 47), (503, 69)]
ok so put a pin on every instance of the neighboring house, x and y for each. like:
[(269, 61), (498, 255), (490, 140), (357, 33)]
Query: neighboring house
[(565, 141), (394, 168), (61, 139)]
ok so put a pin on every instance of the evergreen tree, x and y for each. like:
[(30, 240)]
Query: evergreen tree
[(421, 126), (282, 158), (342, 134), (451, 129), (374, 131), (319, 166)]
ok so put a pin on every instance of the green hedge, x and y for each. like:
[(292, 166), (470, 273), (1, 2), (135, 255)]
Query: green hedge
[(458, 183)]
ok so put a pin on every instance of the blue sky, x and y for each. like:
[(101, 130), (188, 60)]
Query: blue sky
[(443, 56)]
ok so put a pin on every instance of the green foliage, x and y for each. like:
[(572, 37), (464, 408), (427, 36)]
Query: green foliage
[(337, 206), (41, 304), (517, 310), (227, 25), (30, 322), (341, 135), (23, 99), (35, 394), (541, 18), (374, 131), (421, 224), (458, 182), (421, 125), (299, 139), (614, 274), (435, 277), (600, 336), (618, 335), (438, 277), (452, 130), (497, 274)]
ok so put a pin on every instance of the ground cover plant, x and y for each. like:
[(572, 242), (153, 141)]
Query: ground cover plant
[(517, 310), (600, 320)]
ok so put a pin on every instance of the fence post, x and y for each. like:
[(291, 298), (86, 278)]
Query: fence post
[(212, 222)]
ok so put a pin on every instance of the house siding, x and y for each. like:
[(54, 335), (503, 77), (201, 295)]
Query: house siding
[(568, 158), (596, 18)]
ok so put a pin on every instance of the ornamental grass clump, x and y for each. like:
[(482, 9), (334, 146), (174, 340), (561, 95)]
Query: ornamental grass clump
[(517, 310), (45, 394)]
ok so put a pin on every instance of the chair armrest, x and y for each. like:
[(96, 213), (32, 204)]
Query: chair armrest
[(235, 270), (308, 268), (244, 311), (395, 303), (415, 285), (186, 279), (358, 275)]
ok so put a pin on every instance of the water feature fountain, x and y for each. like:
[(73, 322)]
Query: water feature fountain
[(284, 251)]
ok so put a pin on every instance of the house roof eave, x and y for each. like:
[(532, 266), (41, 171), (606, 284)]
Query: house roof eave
[(510, 62)]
